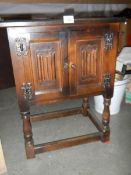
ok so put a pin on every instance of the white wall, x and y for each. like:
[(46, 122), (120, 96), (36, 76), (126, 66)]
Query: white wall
[(107, 9)]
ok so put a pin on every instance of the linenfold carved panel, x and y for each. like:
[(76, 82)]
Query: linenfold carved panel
[(45, 65), (46, 69), (88, 60)]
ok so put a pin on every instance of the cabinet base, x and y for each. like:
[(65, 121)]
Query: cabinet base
[(101, 135)]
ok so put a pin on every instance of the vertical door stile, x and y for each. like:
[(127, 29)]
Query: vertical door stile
[(65, 62), (73, 63)]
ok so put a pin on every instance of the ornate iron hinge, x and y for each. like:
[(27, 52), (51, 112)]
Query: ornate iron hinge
[(21, 46), (108, 39), (27, 91), (107, 80)]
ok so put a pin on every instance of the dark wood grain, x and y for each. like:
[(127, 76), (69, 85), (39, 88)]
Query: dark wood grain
[(55, 114), (67, 142), (53, 62)]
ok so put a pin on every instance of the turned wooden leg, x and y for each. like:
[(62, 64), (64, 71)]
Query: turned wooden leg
[(85, 106), (27, 130), (106, 120)]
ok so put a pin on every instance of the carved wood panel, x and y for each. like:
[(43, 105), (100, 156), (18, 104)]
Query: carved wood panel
[(88, 60), (46, 65)]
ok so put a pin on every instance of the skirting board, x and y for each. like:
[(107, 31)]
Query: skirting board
[(3, 168)]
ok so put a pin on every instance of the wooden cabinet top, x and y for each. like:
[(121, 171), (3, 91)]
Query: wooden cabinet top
[(38, 20)]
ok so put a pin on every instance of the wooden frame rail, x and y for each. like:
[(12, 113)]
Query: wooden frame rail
[(68, 142)]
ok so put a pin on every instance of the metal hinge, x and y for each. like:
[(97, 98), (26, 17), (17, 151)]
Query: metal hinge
[(108, 39), (27, 91), (106, 80), (21, 44)]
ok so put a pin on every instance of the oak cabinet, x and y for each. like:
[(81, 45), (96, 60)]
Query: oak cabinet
[(56, 61), (63, 62)]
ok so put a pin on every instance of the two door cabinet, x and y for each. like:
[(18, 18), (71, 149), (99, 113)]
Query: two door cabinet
[(53, 61)]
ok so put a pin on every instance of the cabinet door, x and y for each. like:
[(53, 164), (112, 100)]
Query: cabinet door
[(45, 61), (86, 63), (48, 57)]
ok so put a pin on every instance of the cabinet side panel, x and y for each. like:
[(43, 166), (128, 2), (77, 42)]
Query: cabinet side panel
[(18, 67)]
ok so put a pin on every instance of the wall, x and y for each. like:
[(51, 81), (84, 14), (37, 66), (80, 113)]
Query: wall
[(100, 9), (71, 1)]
